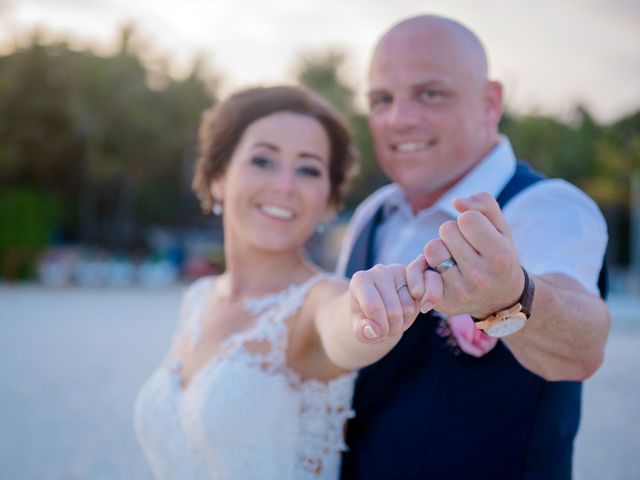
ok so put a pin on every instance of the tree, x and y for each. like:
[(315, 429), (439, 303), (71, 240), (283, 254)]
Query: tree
[(322, 72), (94, 132)]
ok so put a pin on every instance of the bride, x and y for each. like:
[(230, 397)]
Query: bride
[(258, 380)]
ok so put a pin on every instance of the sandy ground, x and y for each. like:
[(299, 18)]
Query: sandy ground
[(72, 360)]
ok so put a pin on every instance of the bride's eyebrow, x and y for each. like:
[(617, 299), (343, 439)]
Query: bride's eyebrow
[(312, 156), (267, 145), (275, 148)]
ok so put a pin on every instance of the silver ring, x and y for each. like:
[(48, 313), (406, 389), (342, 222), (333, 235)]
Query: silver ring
[(445, 265), (399, 287)]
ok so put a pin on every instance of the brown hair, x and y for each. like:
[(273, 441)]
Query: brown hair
[(223, 124)]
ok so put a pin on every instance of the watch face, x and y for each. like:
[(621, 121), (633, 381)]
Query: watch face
[(506, 327)]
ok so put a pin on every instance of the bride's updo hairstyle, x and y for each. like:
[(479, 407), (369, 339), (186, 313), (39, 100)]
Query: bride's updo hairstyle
[(223, 124)]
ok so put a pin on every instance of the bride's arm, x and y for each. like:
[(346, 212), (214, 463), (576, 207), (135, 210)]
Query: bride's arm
[(359, 326)]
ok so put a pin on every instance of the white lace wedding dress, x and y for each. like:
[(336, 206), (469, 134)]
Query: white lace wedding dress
[(245, 415)]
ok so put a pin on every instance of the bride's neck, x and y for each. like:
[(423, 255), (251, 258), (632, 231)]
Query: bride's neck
[(257, 273)]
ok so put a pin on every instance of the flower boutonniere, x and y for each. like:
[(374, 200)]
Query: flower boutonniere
[(461, 334)]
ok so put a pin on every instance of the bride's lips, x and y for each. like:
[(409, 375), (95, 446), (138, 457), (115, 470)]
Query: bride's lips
[(277, 212)]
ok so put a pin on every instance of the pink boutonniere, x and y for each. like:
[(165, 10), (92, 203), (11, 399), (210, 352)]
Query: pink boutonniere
[(462, 334)]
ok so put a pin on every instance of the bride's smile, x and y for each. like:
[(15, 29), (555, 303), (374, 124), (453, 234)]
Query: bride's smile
[(276, 187)]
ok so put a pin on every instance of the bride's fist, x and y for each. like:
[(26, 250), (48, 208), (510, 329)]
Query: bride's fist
[(382, 305)]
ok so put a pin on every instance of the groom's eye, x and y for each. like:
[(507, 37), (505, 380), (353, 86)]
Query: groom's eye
[(431, 95), (379, 100)]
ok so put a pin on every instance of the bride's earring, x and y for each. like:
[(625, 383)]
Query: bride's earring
[(321, 228), (216, 209)]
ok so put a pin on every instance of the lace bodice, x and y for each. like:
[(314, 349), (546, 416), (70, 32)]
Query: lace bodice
[(246, 414)]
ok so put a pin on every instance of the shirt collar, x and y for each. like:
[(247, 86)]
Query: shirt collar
[(396, 201), (491, 175)]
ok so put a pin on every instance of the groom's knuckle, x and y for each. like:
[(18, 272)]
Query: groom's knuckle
[(429, 249), (447, 229), (469, 219), (485, 198)]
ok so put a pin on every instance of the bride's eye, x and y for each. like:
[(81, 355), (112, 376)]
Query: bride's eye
[(309, 171), (261, 161)]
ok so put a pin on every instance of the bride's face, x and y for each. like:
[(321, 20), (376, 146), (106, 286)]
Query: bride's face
[(276, 187)]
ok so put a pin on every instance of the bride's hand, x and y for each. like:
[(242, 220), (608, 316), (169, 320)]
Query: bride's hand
[(382, 303)]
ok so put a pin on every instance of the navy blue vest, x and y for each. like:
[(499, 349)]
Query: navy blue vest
[(423, 412)]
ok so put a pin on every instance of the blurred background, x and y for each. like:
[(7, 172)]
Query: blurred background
[(99, 232)]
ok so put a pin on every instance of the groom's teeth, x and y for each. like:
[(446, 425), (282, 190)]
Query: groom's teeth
[(410, 146), (277, 212)]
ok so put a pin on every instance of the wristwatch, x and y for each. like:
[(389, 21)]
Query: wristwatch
[(508, 321)]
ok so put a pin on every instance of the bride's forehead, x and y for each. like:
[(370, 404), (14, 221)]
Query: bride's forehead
[(278, 121), (287, 130)]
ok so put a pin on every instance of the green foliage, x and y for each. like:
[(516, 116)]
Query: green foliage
[(370, 176), (28, 218), (96, 132), (600, 159), (113, 140), (322, 73)]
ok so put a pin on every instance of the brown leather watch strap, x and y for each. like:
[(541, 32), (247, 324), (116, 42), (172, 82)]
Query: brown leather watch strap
[(525, 302)]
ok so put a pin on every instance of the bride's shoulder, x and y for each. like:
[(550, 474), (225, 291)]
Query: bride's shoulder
[(200, 284), (196, 292), (328, 287)]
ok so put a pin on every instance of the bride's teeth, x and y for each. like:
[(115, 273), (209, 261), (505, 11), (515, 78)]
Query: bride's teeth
[(410, 146), (277, 212)]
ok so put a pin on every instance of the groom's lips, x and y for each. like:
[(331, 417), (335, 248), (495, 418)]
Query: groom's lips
[(412, 146)]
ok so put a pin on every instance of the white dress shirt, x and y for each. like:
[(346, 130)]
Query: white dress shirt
[(555, 226)]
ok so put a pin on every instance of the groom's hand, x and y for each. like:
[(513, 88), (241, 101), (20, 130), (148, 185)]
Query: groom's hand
[(382, 305), (487, 276)]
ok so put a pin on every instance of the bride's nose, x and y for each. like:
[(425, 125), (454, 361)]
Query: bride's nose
[(285, 181)]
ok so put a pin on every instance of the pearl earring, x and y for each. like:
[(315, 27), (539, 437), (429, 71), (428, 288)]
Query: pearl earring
[(217, 208), (321, 228)]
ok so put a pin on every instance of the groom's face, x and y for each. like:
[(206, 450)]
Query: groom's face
[(429, 112)]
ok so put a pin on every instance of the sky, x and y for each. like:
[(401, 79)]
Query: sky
[(550, 54)]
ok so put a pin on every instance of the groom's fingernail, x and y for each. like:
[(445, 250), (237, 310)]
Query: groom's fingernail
[(426, 306), (369, 332)]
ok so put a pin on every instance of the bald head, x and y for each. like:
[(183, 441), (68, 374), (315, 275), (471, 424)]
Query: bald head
[(428, 32), (433, 111)]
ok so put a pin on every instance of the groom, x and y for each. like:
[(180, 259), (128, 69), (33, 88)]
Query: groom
[(427, 410)]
